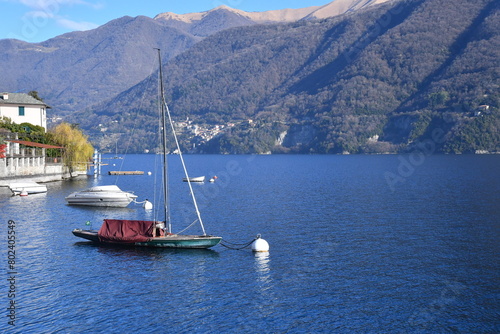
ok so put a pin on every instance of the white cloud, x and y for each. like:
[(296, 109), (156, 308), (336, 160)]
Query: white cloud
[(40, 14), (73, 25), (43, 4), (44, 11)]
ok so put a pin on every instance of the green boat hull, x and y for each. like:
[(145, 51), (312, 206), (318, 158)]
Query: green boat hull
[(184, 241), (170, 241)]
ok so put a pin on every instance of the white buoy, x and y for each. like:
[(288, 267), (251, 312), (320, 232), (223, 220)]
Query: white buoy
[(147, 205), (260, 245), (149, 173)]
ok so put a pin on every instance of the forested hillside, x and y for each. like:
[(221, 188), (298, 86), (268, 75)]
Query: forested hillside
[(385, 79), (79, 69)]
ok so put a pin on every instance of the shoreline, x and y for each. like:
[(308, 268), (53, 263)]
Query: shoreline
[(40, 178)]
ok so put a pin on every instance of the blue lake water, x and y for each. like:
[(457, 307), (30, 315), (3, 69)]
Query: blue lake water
[(359, 244)]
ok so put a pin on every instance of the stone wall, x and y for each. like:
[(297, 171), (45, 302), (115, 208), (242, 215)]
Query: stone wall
[(30, 164)]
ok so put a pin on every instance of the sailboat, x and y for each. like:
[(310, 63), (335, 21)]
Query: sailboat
[(153, 233), (116, 152)]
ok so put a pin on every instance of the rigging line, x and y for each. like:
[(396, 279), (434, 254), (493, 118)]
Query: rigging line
[(188, 226), (165, 107), (185, 169), (156, 192), (149, 82)]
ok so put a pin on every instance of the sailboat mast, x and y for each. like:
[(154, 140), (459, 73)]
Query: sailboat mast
[(164, 146)]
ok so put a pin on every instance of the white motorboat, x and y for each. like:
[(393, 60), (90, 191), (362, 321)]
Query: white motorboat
[(19, 188), (194, 179), (102, 196)]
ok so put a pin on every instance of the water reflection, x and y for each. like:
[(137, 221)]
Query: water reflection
[(262, 266), (132, 251), (265, 294), (263, 270)]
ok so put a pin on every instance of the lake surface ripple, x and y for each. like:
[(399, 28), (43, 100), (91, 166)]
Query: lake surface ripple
[(361, 244)]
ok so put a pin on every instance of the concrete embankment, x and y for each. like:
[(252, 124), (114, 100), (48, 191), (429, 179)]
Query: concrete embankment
[(50, 176)]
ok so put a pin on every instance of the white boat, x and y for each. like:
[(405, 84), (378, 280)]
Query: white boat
[(27, 188), (194, 179), (102, 196)]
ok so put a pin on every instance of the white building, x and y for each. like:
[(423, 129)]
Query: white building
[(21, 108)]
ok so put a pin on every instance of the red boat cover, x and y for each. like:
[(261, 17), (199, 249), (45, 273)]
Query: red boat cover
[(126, 231)]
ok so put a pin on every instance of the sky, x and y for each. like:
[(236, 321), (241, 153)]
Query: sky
[(38, 20)]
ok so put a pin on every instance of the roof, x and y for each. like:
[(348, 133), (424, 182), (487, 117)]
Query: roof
[(32, 144), (21, 98)]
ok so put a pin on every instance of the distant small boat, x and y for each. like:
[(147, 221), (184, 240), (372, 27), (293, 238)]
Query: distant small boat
[(27, 188), (116, 152), (107, 196), (194, 179)]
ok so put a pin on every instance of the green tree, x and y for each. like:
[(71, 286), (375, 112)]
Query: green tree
[(34, 94), (439, 99), (77, 149)]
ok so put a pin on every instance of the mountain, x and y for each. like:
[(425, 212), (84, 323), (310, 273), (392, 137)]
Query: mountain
[(340, 7), (192, 21), (76, 70), (411, 75)]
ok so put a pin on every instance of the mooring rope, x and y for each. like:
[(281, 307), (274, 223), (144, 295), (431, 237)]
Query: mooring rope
[(136, 202), (236, 246)]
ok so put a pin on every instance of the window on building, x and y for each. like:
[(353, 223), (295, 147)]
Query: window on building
[(21, 111)]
